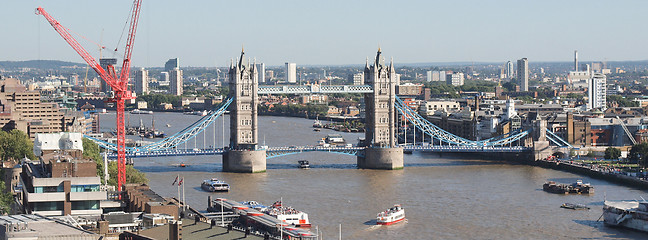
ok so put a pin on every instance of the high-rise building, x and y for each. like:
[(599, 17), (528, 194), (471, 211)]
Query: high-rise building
[(175, 82), (597, 92), (455, 79), (141, 81), (358, 79), (104, 63), (429, 76), (291, 72), (509, 70), (261, 71), (523, 74), (172, 64)]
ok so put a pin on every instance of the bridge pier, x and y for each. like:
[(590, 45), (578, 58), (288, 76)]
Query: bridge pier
[(244, 161), (381, 158)]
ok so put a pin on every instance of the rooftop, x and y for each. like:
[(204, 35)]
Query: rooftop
[(30, 226)]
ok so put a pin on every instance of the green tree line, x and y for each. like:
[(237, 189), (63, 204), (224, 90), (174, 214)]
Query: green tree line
[(154, 100)]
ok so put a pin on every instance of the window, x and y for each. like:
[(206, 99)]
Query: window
[(85, 205)]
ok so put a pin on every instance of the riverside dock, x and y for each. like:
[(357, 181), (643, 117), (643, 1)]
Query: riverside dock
[(240, 215)]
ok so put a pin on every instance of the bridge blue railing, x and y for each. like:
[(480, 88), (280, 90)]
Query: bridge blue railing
[(174, 140), (442, 135), (557, 140)]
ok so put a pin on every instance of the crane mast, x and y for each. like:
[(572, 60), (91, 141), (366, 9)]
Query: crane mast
[(119, 85)]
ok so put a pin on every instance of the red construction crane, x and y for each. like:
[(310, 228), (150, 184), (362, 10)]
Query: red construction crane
[(119, 85)]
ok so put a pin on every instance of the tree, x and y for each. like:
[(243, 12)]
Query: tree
[(132, 175), (6, 198), (639, 154), (612, 153), (91, 150), (15, 145)]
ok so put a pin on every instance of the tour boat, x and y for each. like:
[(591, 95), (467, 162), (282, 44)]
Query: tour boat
[(288, 214), (213, 185), (393, 215), (628, 214)]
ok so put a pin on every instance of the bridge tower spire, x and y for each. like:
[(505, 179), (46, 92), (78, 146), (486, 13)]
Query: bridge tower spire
[(382, 151), (242, 155)]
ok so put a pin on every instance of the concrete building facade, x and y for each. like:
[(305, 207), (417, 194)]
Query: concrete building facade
[(597, 92), (175, 82), (523, 74), (141, 81)]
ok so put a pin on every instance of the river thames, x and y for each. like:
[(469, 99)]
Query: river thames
[(445, 197)]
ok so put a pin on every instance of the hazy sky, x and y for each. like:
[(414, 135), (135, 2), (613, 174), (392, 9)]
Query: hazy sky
[(333, 32)]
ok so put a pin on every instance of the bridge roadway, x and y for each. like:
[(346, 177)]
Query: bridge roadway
[(354, 151)]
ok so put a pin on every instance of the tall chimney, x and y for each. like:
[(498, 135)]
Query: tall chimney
[(576, 60)]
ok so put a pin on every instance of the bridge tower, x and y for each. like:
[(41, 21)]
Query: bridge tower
[(243, 155), (382, 151)]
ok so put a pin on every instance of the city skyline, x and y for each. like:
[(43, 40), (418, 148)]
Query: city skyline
[(207, 33)]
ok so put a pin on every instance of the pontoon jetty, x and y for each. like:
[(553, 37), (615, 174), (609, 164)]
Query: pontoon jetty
[(247, 216)]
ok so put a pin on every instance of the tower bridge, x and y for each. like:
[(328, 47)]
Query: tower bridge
[(383, 110)]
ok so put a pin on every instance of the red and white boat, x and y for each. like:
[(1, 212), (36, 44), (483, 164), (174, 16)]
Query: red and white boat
[(393, 215)]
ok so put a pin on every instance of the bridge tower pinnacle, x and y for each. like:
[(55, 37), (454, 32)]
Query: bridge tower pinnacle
[(380, 136), (243, 155)]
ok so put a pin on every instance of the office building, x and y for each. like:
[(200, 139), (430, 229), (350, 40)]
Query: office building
[(509, 70), (23, 110), (291, 72), (104, 63), (175, 82), (597, 92), (172, 64), (62, 182), (523, 74), (141, 81), (261, 70)]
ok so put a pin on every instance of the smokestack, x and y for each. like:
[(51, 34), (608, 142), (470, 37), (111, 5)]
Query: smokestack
[(576, 60)]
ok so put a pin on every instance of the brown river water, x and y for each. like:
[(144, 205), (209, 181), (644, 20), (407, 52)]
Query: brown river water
[(444, 196)]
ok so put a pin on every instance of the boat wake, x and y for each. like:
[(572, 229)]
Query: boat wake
[(371, 228)]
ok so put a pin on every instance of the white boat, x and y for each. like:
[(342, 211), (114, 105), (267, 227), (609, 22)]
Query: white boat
[(303, 164), (137, 111), (200, 113), (390, 216), (317, 124), (213, 185), (288, 215), (334, 139), (255, 205), (629, 214)]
